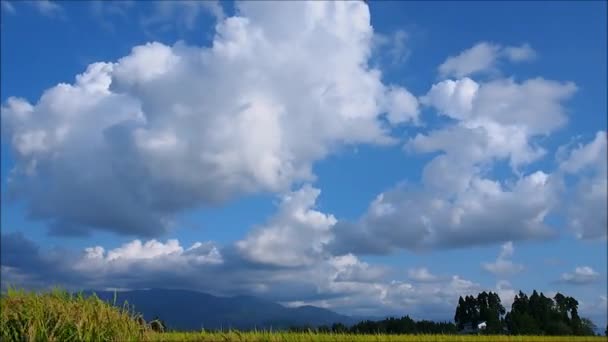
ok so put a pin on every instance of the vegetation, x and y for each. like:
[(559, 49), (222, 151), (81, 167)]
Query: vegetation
[(536, 315), (61, 316), (313, 336)]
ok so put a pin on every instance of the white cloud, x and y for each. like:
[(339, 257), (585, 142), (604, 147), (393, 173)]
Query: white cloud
[(169, 128), (295, 236), (457, 203), (421, 274), (505, 291), (587, 200), (136, 251), (483, 57), (520, 53), (484, 212), (503, 266), (480, 57), (394, 45), (494, 120), (402, 107), (581, 275)]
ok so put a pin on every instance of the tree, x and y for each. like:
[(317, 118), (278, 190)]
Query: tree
[(587, 327), (339, 328), (490, 311), (459, 316)]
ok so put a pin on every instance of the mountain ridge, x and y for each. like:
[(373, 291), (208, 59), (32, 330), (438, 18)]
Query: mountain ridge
[(193, 310)]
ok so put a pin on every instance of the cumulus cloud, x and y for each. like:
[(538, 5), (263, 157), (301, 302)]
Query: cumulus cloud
[(168, 128), (483, 58), (588, 198), (582, 275), (503, 266), (457, 203), (485, 212), (295, 236)]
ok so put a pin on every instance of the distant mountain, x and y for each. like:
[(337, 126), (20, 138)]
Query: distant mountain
[(190, 310)]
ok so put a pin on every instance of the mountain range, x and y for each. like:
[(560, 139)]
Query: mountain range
[(191, 310)]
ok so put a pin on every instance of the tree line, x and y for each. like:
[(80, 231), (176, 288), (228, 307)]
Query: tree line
[(534, 315)]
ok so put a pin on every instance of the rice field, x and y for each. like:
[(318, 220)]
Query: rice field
[(60, 316), (328, 337)]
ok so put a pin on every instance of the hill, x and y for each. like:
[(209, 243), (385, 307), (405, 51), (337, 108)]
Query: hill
[(191, 310)]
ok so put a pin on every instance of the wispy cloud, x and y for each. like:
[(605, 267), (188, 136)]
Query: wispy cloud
[(8, 7), (48, 8), (503, 266), (582, 275)]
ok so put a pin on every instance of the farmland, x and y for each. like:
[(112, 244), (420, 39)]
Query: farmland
[(60, 316), (329, 337)]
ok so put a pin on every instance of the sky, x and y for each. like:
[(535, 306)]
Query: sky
[(373, 159)]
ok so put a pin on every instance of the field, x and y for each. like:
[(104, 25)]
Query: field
[(60, 316), (320, 337)]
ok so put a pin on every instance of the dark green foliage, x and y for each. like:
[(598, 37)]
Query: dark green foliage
[(403, 325), (339, 328), (540, 315), (485, 308)]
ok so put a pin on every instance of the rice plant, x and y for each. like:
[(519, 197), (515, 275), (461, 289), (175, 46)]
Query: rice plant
[(60, 316)]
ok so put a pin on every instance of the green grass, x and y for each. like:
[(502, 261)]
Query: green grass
[(60, 316)]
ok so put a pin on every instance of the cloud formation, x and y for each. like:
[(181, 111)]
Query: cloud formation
[(503, 266), (343, 283), (458, 203), (169, 128), (295, 236), (582, 275), (483, 57), (587, 199)]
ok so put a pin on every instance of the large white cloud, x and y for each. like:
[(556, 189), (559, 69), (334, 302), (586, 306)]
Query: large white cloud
[(168, 128), (459, 203), (497, 119)]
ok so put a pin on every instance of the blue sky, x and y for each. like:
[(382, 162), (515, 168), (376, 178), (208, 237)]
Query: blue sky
[(382, 159)]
